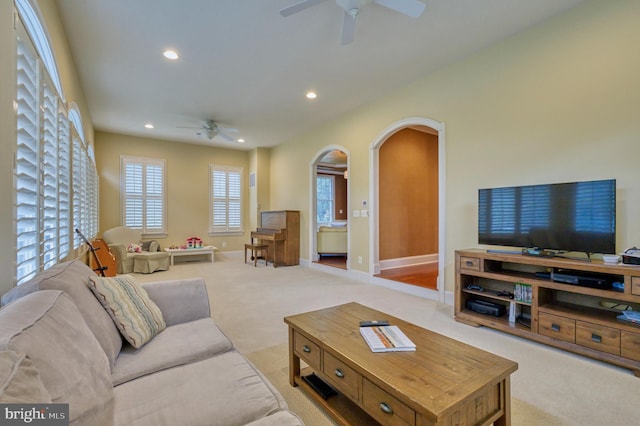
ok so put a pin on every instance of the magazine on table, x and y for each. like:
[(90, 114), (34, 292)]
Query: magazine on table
[(388, 338)]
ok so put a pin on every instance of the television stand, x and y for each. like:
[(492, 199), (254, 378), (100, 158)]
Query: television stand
[(573, 305)]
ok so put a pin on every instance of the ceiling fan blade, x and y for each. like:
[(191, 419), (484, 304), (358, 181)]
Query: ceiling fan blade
[(348, 28), (228, 129), (189, 127), (299, 7), (412, 8), (226, 137)]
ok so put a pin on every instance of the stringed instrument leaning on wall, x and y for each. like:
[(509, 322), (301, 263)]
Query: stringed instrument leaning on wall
[(102, 261)]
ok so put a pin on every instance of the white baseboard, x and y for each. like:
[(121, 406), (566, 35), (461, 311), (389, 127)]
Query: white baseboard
[(408, 261)]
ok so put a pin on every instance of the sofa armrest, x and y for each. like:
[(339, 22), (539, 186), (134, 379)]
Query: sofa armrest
[(119, 251), (180, 300)]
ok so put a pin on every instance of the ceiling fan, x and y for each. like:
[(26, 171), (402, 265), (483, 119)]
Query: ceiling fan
[(412, 8), (211, 129)]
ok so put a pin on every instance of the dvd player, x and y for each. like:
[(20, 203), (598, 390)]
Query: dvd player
[(484, 307)]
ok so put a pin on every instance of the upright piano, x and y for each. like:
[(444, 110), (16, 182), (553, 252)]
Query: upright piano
[(280, 229)]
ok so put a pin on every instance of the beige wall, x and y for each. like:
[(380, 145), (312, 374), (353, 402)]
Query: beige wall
[(187, 168), (72, 93), (556, 103)]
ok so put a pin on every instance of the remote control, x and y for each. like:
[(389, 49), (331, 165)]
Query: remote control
[(373, 323)]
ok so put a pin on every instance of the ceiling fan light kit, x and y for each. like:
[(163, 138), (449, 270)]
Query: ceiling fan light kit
[(352, 8)]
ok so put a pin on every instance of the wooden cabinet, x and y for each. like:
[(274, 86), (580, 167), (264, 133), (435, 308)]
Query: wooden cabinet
[(581, 318)]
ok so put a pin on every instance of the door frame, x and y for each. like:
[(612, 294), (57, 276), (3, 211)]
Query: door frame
[(313, 220), (374, 194)]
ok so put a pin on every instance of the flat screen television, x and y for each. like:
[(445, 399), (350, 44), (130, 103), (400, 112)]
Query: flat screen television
[(567, 217)]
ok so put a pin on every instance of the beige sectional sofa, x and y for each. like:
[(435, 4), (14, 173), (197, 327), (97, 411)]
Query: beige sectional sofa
[(188, 374)]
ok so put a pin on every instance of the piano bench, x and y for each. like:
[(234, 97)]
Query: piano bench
[(262, 249)]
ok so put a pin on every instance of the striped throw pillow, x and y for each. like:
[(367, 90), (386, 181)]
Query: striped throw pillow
[(136, 316)]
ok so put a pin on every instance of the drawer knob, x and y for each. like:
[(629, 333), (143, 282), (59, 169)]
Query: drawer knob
[(385, 408), (469, 263), (339, 373), (596, 338), (306, 349), (555, 327)]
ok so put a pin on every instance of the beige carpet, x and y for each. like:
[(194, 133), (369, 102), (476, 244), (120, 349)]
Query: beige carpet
[(551, 387)]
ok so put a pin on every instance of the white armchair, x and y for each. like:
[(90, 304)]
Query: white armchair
[(145, 261)]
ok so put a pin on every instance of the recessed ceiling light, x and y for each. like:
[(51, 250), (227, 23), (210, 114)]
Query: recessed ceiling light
[(311, 95), (149, 126), (241, 140), (170, 54)]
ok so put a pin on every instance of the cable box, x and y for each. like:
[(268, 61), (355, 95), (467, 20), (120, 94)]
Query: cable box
[(488, 308)]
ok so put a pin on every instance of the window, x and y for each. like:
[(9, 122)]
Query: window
[(45, 199), (225, 202), (143, 194), (325, 198)]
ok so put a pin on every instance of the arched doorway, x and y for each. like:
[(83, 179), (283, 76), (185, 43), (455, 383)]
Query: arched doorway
[(329, 221), (436, 129)]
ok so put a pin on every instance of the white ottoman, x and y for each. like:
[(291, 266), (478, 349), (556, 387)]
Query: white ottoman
[(148, 262)]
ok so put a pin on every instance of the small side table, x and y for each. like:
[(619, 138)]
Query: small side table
[(255, 248)]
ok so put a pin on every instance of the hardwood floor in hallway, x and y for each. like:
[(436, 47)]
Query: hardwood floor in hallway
[(335, 261), (425, 275)]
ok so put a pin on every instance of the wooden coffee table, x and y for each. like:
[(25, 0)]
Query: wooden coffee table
[(443, 382)]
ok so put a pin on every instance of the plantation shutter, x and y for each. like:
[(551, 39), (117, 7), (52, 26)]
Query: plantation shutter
[(64, 185), (77, 185), (143, 194), (49, 173), (225, 199), (27, 160)]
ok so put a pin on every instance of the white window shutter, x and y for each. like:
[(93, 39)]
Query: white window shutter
[(225, 199), (27, 159), (143, 194)]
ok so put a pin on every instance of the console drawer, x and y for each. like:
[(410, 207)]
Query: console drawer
[(605, 339), (635, 286), (558, 327), (343, 377), (630, 345), (470, 263), (385, 408), (306, 350)]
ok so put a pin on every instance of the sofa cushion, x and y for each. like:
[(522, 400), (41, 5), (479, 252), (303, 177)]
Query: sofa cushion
[(137, 317), (72, 277), (223, 390), (20, 381), (176, 345), (48, 327)]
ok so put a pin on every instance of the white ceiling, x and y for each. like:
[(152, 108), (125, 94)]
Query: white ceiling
[(247, 67)]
